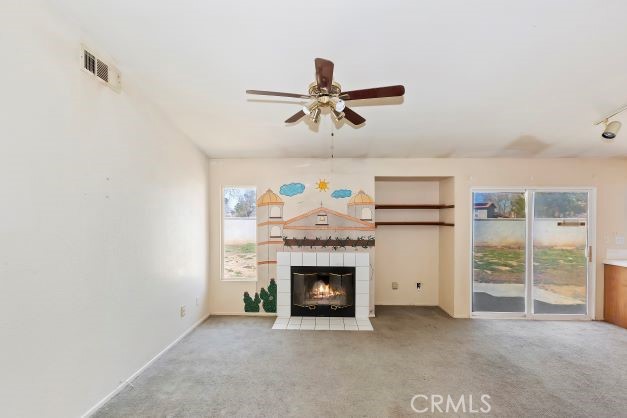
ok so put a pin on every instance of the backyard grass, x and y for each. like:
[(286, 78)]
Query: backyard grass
[(559, 270), (240, 261)]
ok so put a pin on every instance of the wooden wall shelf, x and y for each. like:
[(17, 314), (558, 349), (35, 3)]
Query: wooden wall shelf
[(414, 223), (409, 206)]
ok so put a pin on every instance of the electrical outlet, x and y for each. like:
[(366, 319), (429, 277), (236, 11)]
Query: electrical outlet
[(395, 285), (182, 311), (418, 285)]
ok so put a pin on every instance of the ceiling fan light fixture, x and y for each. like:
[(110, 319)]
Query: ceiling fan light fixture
[(338, 115), (307, 109), (315, 115), (325, 93)]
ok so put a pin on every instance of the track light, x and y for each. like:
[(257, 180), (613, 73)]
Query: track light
[(611, 129)]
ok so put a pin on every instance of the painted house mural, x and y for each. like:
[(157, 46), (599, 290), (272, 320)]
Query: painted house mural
[(318, 229)]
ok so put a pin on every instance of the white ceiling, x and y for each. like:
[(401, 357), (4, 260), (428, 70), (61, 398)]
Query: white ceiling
[(523, 78)]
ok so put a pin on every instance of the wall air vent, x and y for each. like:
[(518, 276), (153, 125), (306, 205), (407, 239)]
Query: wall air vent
[(90, 62), (104, 72)]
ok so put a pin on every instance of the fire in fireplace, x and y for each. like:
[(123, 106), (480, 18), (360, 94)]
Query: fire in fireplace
[(323, 291)]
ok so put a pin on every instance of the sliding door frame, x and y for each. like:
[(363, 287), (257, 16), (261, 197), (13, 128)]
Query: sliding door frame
[(529, 218)]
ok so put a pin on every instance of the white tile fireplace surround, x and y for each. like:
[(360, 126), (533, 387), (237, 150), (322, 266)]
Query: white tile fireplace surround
[(359, 260)]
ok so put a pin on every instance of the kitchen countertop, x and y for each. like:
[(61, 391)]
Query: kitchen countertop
[(619, 263)]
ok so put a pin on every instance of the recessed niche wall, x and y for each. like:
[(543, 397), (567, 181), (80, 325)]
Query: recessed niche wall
[(409, 254)]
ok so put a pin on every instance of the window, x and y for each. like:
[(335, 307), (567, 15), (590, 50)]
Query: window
[(239, 233)]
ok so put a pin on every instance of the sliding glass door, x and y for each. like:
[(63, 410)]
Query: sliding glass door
[(530, 252), (560, 252), (499, 242)]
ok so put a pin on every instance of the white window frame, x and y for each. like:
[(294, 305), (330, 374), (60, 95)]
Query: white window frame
[(222, 218), (592, 241)]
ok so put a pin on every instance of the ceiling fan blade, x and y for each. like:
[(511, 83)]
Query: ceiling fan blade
[(390, 91), (276, 93), (353, 117), (324, 73), (296, 117)]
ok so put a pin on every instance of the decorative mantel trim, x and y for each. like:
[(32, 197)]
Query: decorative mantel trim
[(334, 243)]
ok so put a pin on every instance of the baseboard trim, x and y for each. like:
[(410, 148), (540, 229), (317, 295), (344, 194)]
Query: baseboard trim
[(243, 313), (447, 312), (141, 369), (425, 306)]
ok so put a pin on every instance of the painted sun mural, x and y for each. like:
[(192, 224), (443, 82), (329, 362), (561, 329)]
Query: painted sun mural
[(322, 185)]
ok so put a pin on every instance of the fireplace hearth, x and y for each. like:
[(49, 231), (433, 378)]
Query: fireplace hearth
[(323, 291)]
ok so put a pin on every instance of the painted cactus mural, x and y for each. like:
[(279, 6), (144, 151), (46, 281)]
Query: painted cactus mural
[(269, 297), (250, 304)]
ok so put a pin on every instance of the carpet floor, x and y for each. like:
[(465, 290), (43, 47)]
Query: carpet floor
[(240, 367)]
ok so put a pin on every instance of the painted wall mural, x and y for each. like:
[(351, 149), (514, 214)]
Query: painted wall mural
[(307, 216), (341, 194), (322, 185), (267, 298), (292, 189)]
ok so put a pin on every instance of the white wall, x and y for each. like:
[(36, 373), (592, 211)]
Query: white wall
[(103, 225), (407, 254)]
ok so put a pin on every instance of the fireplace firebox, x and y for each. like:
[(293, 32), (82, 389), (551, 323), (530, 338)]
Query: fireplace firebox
[(323, 291)]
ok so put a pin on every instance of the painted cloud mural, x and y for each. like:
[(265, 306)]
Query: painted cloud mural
[(341, 194), (292, 189)]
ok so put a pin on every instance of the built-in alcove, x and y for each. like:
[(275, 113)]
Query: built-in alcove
[(415, 237)]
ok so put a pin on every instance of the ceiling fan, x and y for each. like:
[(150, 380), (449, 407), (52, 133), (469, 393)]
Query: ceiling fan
[(327, 93)]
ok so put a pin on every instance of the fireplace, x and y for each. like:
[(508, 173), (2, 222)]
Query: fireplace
[(323, 291)]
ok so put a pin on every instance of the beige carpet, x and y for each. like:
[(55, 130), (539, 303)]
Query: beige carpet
[(239, 367)]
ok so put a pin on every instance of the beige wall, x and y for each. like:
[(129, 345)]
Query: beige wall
[(446, 247), (609, 176), (407, 254)]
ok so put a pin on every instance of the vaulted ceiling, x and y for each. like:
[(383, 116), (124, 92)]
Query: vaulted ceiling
[(523, 78)]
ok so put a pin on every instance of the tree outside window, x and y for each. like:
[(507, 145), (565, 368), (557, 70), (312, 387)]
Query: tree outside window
[(239, 234)]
